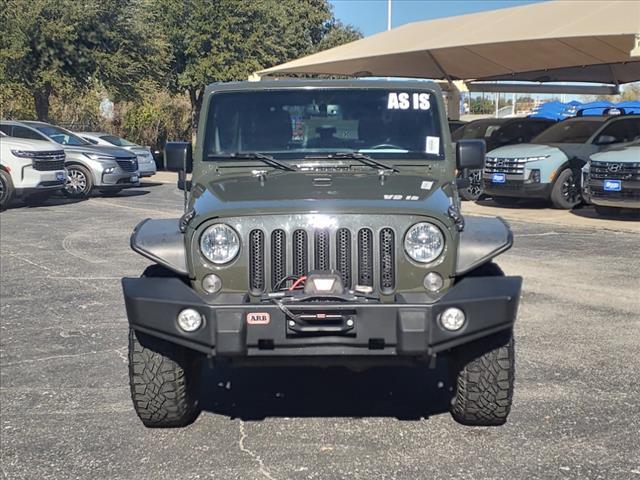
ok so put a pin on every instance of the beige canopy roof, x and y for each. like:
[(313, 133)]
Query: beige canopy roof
[(589, 41)]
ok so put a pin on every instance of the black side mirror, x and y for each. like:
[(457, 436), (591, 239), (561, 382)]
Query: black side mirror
[(470, 154), (178, 157)]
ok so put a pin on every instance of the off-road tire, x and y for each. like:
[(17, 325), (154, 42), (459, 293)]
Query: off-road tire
[(484, 386), (558, 198), (607, 211), (88, 179), (6, 190), (506, 201), (164, 380)]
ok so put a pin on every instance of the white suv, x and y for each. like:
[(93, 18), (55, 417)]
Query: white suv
[(29, 169)]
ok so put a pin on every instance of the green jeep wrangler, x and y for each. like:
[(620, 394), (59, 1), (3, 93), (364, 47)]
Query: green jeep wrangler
[(322, 228)]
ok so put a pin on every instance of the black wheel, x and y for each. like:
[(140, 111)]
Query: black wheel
[(6, 189), (111, 192), (79, 182), (506, 201), (164, 380), (485, 379), (607, 211), (36, 199), (474, 191), (565, 193)]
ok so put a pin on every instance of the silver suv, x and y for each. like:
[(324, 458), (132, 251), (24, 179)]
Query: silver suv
[(89, 167)]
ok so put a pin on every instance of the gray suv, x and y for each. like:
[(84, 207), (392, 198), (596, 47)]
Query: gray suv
[(89, 167)]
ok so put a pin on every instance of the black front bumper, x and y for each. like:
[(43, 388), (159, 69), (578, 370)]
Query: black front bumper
[(379, 329), (518, 189), (627, 197)]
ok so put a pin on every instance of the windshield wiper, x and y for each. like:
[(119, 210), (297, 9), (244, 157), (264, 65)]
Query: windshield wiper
[(361, 157), (268, 159)]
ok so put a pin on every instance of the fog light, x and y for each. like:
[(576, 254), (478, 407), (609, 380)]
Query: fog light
[(452, 319), (433, 281), (110, 170), (189, 320), (211, 283)]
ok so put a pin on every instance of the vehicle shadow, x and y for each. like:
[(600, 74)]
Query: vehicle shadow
[(627, 215), (257, 393), (129, 192), (150, 184), (50, 202), (517, 204)]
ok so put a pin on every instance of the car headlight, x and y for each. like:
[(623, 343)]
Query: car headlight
[(219, 243), (24, 153), (535, 159), (424, 242)]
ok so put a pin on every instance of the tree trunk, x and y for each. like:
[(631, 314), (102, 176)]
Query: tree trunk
[(41, 102), (195, 96)]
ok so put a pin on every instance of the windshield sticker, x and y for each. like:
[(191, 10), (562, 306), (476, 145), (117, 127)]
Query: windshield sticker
[(406, 101), (433, 145), (426, 185)]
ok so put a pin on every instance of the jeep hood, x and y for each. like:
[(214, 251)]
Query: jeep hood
[(296, 192)]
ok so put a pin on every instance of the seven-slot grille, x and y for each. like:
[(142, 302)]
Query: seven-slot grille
[(322, 249), (128, 165), (510, 166), (48, 161), (614, 171)]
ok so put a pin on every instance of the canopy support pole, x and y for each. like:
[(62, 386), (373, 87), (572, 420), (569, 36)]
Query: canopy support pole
[(453, 93)]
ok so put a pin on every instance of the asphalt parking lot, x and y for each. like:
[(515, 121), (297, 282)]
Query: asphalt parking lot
[(66, 411)]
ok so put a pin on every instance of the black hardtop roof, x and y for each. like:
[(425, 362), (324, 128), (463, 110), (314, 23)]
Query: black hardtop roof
[(398, 84)]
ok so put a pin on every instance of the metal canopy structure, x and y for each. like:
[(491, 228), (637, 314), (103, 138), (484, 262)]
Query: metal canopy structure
[(555, 41)]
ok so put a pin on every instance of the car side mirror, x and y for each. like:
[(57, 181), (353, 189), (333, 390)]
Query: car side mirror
[(178, 157), (606, 140), (470, 154)]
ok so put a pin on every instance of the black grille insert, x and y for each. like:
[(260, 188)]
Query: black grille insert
[(48, 165), (256, 261), (365, 257), (343, 255), (387, 260), (322, 250), (300, 253), (278, 256), (128, 165)]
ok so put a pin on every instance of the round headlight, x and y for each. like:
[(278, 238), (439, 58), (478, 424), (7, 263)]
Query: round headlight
[(219, 243), (424, 242)]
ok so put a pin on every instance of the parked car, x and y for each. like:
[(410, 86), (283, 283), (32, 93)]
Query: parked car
[(29, 169), (89, 167), (611, 179), (549, 167), (496, 132), (345, 251), (146, 162)]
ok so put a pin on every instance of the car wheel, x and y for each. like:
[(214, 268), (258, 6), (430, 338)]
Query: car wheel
[(474, 191), (485, 380), (565, 193), (6, 190), (506, 201), (79, 182)]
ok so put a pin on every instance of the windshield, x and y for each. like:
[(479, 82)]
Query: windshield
[(290, 124), (60, 135), (478, 130), (569, 131), (120, 142)]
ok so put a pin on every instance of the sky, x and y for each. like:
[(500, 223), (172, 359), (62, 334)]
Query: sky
[(370, 16)]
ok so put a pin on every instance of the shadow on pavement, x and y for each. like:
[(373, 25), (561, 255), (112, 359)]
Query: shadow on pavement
[(515, 205), (626, 215), (257, 393)]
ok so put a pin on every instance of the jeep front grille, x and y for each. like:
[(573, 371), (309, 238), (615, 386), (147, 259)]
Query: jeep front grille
[(323, 249), (510, 166)]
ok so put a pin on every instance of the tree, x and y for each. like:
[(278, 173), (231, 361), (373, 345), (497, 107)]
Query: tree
[(228, 40), (48, 45)]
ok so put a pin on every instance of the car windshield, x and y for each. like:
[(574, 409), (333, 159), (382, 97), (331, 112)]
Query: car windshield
[(60, 135), (114, 140), (569, 131), (294, 124), (478, 130)]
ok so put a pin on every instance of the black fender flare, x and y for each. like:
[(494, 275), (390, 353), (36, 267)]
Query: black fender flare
[(162, 241), (482, 239)]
